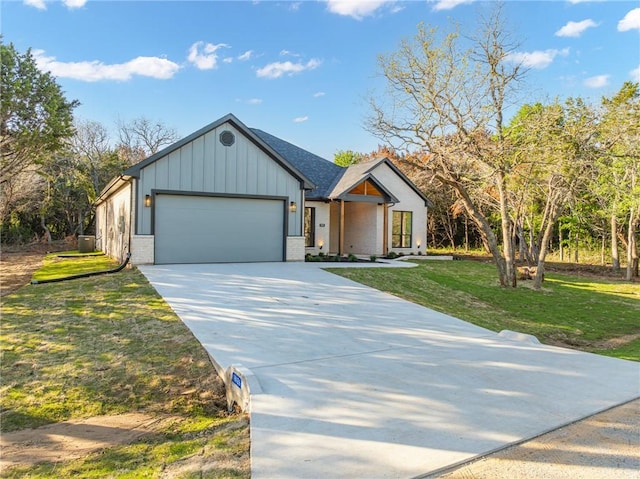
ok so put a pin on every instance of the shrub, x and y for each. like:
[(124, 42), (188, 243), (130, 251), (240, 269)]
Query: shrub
[(392, 255), (352, 257), (373, 258)]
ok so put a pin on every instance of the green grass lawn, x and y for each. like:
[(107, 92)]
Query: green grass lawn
[(578, 312), (108, 345)]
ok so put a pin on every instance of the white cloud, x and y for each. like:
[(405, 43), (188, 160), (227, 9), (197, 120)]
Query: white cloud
[(357, 9), (635, 74), (91, 71), (536, 59), (575, 29), (631, 21), (277, 69), (39, 4), (74, 3), (246, 55), (42, 5), (319, 94), (203, 55), (287, 53), (449, 4), (300, 119), (254, 101), (597, 81)]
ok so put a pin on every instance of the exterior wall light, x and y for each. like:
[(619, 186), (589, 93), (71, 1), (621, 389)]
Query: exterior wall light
[(293, 207), (320, 244), (147, 201), (418, 244)]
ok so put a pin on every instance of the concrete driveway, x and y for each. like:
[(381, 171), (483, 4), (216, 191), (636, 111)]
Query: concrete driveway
[(357, 383)]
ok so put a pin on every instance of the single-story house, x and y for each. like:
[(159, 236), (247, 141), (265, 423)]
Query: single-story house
[(229, 193)]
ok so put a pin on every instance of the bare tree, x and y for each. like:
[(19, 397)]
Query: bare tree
[(446, 95), (142, 137)]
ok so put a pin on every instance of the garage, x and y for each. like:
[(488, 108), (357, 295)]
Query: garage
[(218, 229)]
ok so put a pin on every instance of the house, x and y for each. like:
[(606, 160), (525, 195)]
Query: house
[(229, 193)]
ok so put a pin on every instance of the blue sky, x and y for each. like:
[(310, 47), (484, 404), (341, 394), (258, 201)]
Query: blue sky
[(299, 70)]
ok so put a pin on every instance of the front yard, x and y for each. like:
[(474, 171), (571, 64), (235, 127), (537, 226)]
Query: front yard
[(106, 346)]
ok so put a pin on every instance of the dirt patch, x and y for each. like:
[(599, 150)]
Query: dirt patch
[(604, 446), (74, 439), (604, 272), (17, 265)]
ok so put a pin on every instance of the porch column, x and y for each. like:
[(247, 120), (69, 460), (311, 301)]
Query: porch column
[(385, 229), (341, 231)]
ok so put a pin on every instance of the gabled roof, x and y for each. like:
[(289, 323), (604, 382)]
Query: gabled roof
[(322, 172), (323, 179), (359, 172), (305, 182)]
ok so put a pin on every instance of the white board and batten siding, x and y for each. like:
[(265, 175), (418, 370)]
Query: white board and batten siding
[(205, 165), (218, 201)]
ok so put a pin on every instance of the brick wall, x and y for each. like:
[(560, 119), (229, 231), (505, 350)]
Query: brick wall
[(295, 248), (142, 248)]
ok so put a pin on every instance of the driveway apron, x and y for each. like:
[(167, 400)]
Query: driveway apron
[(356, 383)]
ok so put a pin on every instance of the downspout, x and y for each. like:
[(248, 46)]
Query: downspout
[(341, 231), (84, 275)]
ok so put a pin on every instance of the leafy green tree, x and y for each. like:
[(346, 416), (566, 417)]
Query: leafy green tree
[(347, 158), (619, 167), (36, 121), (35, 117)]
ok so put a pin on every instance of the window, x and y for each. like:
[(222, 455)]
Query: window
[(401, 229), (309, 227)]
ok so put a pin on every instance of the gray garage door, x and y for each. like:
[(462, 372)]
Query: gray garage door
[(206, 229)]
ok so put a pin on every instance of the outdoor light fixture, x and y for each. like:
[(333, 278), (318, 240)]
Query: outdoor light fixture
[(418, 244), (320, 244), (293, 207), (147, 200)]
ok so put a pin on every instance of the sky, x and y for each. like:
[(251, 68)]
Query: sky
[(300, 70)]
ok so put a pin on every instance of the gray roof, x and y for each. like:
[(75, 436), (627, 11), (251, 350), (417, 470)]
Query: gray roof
[(323, 173), (304, 180), (332, 181), (353, 175), (321, 178)]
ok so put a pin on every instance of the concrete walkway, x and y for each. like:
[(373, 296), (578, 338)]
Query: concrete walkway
[(358, 383)]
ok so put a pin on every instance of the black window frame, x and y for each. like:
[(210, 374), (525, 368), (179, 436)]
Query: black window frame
[(310, 236), (402, 239)]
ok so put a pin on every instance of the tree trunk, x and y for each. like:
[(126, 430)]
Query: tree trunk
[(632, 247), (544, 248), (466, 234), (561, 242), (47, 232), (615, 255), (507, 239), (575, 254), (484, 228)]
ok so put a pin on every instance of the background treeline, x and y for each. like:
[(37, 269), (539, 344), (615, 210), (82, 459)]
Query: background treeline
[(53, 166), (559, 176)]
